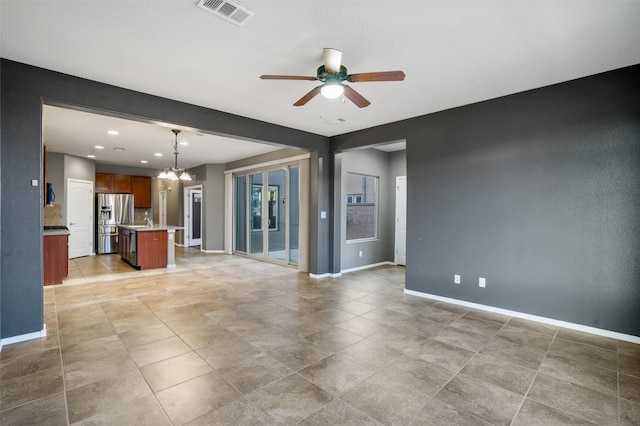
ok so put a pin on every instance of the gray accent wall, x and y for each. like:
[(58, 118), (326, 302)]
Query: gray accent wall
[(24, 88), (538, 192)]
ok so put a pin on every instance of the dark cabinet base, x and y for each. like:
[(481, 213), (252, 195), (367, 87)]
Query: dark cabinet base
[(143, 249), (55, 258)]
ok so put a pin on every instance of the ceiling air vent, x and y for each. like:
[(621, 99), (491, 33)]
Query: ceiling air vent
[(228, 10)]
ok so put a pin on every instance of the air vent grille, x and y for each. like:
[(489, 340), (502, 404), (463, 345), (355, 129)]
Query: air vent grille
[(227, 10)]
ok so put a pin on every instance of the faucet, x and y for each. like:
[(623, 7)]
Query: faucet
[(149, 221)]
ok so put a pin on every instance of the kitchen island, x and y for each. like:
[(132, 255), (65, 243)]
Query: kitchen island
[(147, 247)]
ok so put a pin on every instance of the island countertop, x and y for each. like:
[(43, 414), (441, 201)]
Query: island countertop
[(144, 228)]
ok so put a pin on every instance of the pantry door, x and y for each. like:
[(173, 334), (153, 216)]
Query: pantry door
[(80, 217)]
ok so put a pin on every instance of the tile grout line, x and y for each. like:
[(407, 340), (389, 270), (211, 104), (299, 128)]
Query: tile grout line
[(534, 377), (64, 382), (459, 371), (618, 382), (138, 368)]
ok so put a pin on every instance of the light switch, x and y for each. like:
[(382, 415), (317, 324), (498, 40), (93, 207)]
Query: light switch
[(482, 282), (323, 215), (34, 182)]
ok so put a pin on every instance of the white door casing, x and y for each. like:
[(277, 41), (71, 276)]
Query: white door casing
[(189, 194), (400, 257), (79, 210)]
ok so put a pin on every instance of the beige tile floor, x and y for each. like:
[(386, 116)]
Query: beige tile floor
[(228, 340)]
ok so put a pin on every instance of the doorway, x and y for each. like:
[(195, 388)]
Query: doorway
[(400, 257), (79, 210), (193, 216), (267, 214)]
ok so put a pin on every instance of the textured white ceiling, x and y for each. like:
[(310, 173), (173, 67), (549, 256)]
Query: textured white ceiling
[(452, 52)]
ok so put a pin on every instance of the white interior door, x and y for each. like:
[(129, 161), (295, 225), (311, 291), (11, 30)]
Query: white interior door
[(193, 216), (80, 217), (401, 221)]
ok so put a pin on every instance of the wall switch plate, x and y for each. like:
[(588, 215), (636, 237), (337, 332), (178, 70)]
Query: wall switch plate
[(482, 282), (323, 215), (360, 253), (456, 279), (34, 182)]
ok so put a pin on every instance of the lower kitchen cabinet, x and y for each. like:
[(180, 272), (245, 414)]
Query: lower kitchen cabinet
[(143, 249), (152, 249), (55, 258)]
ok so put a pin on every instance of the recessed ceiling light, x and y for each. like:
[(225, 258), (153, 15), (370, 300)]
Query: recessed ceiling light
[(113, 132), (184, 143), (91, 156), (158, 154), (99, 147), (144, 161)]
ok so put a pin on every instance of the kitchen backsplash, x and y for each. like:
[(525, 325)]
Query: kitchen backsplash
[(52, 215), (140, 214)]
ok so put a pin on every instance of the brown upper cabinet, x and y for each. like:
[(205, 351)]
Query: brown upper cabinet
[(141, 189), (139, 186), (104, 182), (122, 184)]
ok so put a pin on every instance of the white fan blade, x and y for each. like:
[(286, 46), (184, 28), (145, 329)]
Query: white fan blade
[(332, 59)]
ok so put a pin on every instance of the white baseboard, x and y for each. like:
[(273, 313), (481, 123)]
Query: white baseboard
[(544, 320), (320, 276), (213, 251), (360, 268), (346, 271), (23, 337)]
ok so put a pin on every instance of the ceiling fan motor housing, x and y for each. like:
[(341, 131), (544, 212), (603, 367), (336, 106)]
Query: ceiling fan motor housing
[(332, 77)]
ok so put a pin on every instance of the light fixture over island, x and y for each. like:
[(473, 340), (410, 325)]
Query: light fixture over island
[(171, 173)]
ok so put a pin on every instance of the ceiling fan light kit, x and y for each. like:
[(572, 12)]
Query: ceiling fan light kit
[(332, 74), (171, 173), (332, 90)]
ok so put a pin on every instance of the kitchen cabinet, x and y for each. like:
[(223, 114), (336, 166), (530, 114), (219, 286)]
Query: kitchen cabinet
[(152, 249), (104, 182), (55, 258), (143, 249), (124, 244), (139, 186), (122, 184), (141, 189)]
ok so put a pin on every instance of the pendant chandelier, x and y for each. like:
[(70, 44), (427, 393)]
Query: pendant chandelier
[(171, 173)]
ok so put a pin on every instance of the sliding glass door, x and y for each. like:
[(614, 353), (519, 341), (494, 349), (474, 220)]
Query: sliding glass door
[(256, 214), (267, 213)]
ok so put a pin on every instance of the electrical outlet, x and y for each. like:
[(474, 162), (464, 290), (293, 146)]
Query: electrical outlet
[(482, 282), (456, 279)]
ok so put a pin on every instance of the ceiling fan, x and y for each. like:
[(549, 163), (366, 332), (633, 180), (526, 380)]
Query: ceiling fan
[(332, 74)]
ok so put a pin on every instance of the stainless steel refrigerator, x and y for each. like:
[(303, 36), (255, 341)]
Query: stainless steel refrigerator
[(111, 210)]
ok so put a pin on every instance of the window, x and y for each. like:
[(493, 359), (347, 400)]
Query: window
[(354, 199), (362, 206)]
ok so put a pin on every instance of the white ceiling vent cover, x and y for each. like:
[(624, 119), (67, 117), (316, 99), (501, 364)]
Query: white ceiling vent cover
[(227, 10)]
